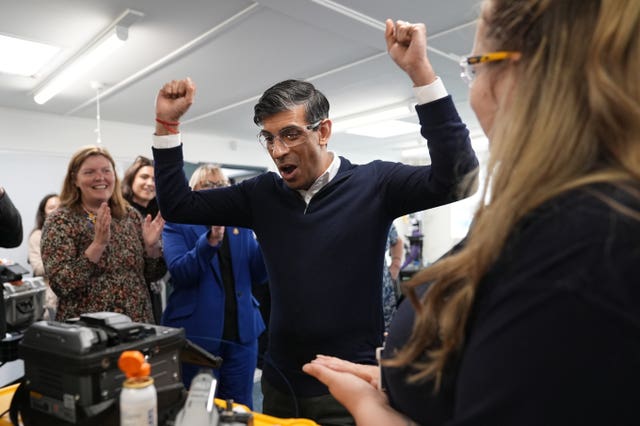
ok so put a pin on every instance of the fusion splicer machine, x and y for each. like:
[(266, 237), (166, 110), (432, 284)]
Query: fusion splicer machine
[(200, 409), (72, 375)]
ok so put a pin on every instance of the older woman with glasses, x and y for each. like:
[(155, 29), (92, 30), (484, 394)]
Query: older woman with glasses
[(535, 318), (213, 269)]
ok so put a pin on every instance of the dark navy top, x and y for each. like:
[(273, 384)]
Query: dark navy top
[(325, 260), (554, 336)]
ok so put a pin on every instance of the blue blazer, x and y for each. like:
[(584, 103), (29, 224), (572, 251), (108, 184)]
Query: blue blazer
[(197, 301)]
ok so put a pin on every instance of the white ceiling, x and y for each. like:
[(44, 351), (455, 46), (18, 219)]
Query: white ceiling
[(234, 50)]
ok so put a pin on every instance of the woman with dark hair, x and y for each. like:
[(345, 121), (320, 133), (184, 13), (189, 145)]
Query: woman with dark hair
[(48, 204), (97, 250), (535, 318), (139, 187)]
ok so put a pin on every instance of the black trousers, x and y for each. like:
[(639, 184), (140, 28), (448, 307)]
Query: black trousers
[(324, 409)]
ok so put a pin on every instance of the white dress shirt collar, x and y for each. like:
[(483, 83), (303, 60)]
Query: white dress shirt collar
[(322, 180)]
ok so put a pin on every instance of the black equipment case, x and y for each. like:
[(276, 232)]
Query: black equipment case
[(22, 305), (71, 368)]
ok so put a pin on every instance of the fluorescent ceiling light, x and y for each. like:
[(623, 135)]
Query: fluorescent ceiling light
[(90, 56), (385, 129), (23, 57), (79, 67), (342, 124)]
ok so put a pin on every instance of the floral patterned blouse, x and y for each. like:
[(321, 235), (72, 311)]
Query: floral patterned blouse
[(389, 286), (117, 283)]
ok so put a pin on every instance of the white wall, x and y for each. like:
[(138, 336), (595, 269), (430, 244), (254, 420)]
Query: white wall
[(50, 134), (35, 149), (442, 228)]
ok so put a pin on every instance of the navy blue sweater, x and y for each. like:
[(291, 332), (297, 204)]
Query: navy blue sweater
[(325, 260)]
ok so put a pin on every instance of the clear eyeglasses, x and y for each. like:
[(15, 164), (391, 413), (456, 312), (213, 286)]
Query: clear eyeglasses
[(207, 184), (468, 64), (289, 136)]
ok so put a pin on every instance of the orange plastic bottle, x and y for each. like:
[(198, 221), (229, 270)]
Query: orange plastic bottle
[(138, 398)]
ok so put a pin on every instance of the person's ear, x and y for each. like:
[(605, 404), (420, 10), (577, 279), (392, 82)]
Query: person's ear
[(325, 131)]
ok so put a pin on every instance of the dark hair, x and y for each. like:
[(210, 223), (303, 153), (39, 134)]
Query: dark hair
[(130, 174), (40, 214), (288, 94)]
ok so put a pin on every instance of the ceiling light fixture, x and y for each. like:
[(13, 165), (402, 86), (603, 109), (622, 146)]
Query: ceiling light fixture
[(24, 57), (385, 129), (363, 119), (97, 50)]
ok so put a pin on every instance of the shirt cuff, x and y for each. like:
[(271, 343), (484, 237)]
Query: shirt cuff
[(430, 92), (167, 141)]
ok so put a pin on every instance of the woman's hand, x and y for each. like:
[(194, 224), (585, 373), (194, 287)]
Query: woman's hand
[(356, 387), (215, 235), (368, 373), (151, 233), (351, 384), (394, 271), (102, 226), (102, 235)]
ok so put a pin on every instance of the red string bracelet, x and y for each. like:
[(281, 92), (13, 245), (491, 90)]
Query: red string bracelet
[(168, 125)]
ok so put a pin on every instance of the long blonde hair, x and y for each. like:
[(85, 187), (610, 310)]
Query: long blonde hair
[(70, 196), (573, 118)]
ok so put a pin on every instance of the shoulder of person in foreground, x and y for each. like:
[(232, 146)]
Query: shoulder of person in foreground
[(10, 222)]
